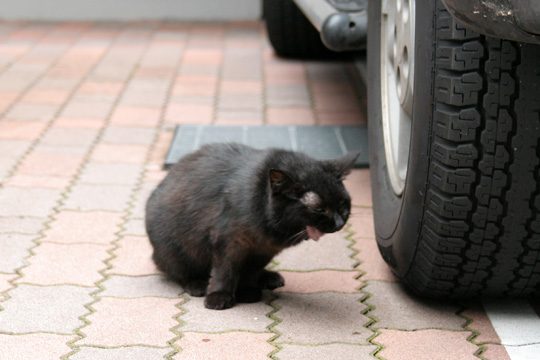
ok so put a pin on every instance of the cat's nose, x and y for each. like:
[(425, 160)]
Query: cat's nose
[(338, 222)]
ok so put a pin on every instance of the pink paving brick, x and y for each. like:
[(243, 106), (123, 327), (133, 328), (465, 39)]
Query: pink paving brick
[(118, 153), (17, 130), (135, 116), (240, 87), (47, 161), (69, 137), (358, 183), (39, 96), (481, 324), (189, 114), (134, 257), (283, 116), (77, 264), (227, 346), (142, 321), (425, 345), (239, 117), (79, 123), (495, 352), (320, 281), (71, 227), (38, 181), (33, 346)]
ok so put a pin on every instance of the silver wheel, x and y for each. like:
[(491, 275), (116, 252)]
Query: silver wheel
[(397, 85)]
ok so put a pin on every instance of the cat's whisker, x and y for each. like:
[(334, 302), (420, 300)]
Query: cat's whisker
[(296, 236)]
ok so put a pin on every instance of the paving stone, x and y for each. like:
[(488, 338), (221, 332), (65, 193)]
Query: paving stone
[(44, 308), (481, 323), (293, 115), (128, 135), (114, 153), (426, 345), (358, 183), (13, 148), (137, 116), (48, 162), (69, 137), (27, 202), (39, 112), (87, 197), (337, 317), (329, 253), (497, 352), (396, 309), (123, 353), (13, 250), (17, 130), (228, 346), (21, 224), (320, 281), (134, 257), (242, 317), (330, 351), (5, 281), (140, 286), (65, 264), (141, 197), (361, 220), (116, 174), (38, 181), (33, 346), (189, 114), (142, 321), (71, 227), (79, 122), (134, 227)]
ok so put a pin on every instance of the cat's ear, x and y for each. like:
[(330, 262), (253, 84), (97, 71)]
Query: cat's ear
[(342, 166), (279, 180)]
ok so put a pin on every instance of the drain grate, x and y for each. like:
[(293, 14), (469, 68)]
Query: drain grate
[(320, 142)]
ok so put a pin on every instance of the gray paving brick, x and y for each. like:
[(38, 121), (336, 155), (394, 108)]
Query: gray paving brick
[(395, 309), (139, 286), (13, 250), (250, 317), (323, 352), (44, 308), (98, 197), (27, 202), (330, 252), (337, 317), (21, 224), (124, 353)]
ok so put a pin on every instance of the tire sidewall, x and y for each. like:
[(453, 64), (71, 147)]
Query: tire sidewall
[(398, 219)]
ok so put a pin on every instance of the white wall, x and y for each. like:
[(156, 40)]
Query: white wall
[(130, 9)]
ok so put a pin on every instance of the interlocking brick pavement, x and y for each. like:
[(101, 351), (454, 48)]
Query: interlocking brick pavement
[(86, 115)]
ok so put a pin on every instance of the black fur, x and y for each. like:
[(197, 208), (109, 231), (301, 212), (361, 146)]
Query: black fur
[(223, 212)]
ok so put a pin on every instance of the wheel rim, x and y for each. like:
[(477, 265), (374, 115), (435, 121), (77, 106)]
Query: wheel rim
[(397, 85)]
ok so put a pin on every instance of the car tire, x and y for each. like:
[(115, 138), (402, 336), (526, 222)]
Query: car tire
[(290, 32), (467, 220)]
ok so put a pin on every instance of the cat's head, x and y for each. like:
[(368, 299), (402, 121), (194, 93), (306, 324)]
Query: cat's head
[(307, 197)]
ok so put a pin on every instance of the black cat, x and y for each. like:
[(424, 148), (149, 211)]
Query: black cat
[(223, 212)]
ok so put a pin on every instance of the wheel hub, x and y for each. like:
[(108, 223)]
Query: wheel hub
[(397, 86)]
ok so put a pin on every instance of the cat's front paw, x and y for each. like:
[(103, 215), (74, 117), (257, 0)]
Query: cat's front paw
[(271, 280), (219, 300)]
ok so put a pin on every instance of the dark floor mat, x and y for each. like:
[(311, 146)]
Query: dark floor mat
[(320, 142)]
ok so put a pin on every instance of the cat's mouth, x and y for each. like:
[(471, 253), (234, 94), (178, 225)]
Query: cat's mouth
[(313, 233)]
